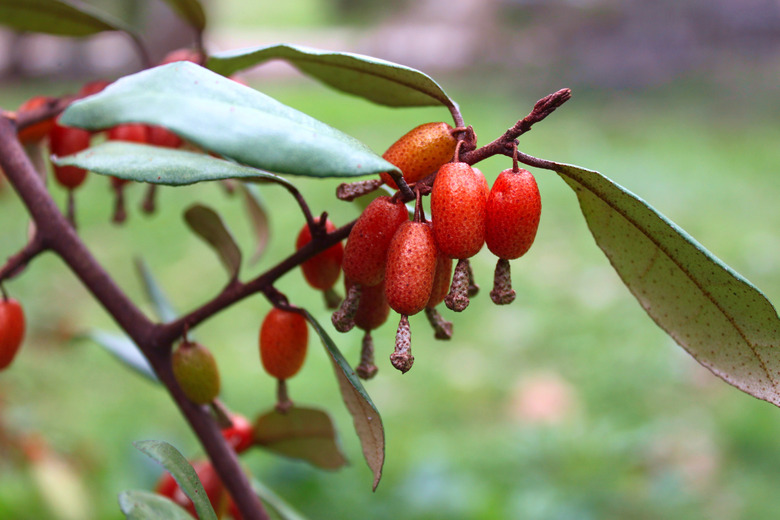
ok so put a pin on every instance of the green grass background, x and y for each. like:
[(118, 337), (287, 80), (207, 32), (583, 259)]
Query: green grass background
[(642, 431)]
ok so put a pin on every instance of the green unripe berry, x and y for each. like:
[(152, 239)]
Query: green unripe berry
[(195, 369)]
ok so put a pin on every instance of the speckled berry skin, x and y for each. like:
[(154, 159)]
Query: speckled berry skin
[(441, 280), (366, 250), (513, 211), (284, 338), (458, 201), (65, 140), (411, 265), (195, 369), (373, 309), (12, 327), (420, 152), (322, 270)]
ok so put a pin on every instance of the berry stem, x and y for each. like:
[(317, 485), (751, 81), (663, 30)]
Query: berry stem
[(502, 293), (149, 205), (18, 262), (402, 357), (366, 369), (332, 298), (442, 329), (120, 215), (283, 402)]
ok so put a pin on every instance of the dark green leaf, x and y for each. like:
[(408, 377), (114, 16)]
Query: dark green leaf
[(223, 116), (145, 505), (190, 10), (377, 80), (301, 433), (162, 305), (182, 472), (156, 165), (368, 423), (257, 217), (279, 506), (123, 349), (209, 226), (57, 17), (722, 320)]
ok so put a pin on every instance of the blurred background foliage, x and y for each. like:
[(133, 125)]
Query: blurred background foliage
[(569, 403)]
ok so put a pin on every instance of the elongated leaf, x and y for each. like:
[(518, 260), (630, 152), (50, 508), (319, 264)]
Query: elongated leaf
[(722, 320), (257, 217), (170, 458), (162, 305), (156, 165), (209, 226), (145, 505), (57, 17), (301, 433), (368, 423), (223, 116), (275, 502), (380, 81), (125, 350), (190, 10)]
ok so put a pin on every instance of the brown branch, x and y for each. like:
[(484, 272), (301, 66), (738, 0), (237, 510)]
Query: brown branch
[(18, 262)]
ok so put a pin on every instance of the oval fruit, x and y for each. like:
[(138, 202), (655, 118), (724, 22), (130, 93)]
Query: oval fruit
[(458, 201), (66, 140), (514, 208), (441, 280), (411, 265), (323, 269), (12, 327), (373, 309), (37, 131), (420, 152), (195, 369), (284, 337)]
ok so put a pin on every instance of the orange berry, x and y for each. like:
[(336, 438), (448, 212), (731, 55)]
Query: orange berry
[(441, 279), (366, 250), (38, 131), (322, 270), (458, 201), (161, 136), (11, 330), (513, 211), (411, 265), (183, 55), (93, 87), (420, 152), (66, 140), (240, 435), (132, 132), (195, 369), (284, 337)]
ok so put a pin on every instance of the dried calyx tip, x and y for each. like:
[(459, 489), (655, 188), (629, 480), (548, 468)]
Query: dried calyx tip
[(344, 318), (402, 357), (458, 299), (351, 190), (502, 292), (367, 369), (441, 327)]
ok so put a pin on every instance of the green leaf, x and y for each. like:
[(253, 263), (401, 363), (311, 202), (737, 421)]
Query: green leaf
[(257, 217), (191, 11), (301, 433), (279, 506), (182, 472), (145, 505), (223, 116), (368, 423), (157, 165), (162, 305), (124, 349), (57, 17), (716, 315), (209, 226), (376, 80)]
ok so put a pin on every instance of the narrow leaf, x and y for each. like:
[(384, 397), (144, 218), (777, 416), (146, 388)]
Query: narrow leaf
[(57, 17), (301, 433), (162, 305), (124, 349), (145, 505), (170, 458), (368, 423), (716, 315), (156, 165), (209, 226), (380, 81), (191, 11), (257, 217), (223, 116), (279, 506)]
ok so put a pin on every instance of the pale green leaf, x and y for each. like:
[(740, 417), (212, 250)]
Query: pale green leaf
[(162, 305), (145, 505), (276, 503), (230, 119), (374, 79), (125, 350), (716, 315), (210, 227)]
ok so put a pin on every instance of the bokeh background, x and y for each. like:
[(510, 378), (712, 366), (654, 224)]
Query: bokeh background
[(569, 403)]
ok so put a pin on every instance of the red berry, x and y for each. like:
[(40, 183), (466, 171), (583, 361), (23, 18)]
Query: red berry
[(322, 270), (284, 337), (183, 55), (240, 435), (441, 280), (411, 264), (366, 250), (66, 140), (215, 490), (420, 152), (11, 330), (38, 131), (161, 136), (93, 87), (458, 201), (373, 309), (513, 210), (132, 132)]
